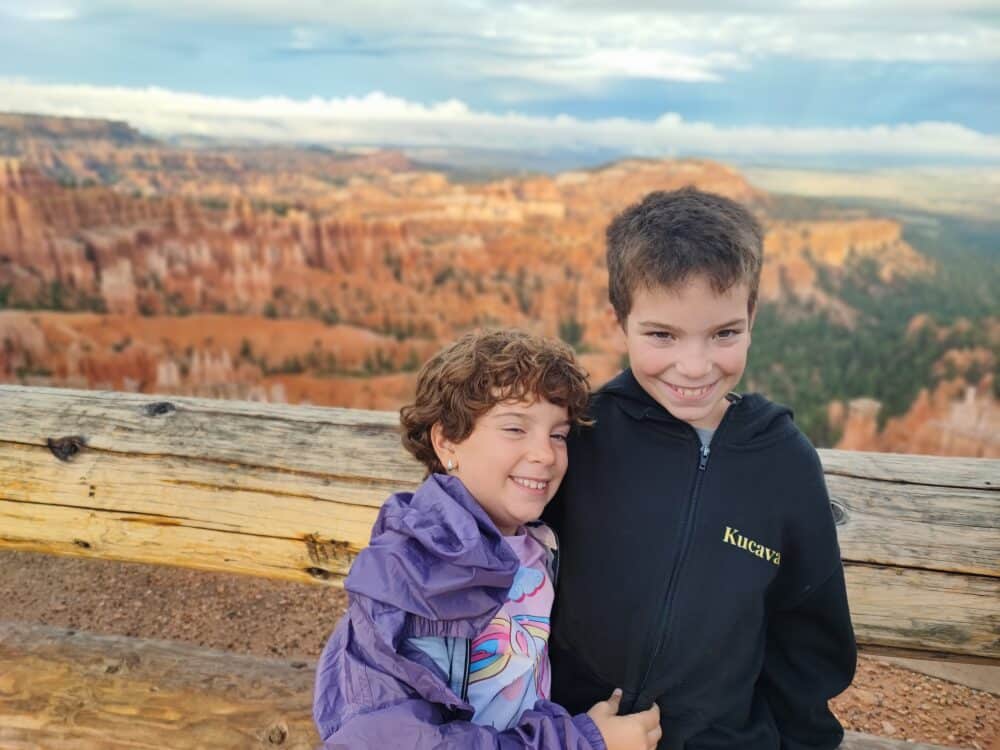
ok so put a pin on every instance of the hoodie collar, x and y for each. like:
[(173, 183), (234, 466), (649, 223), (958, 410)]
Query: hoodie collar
[(748, 418)]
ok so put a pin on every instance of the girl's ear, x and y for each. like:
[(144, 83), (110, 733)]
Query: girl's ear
[(443, 447)]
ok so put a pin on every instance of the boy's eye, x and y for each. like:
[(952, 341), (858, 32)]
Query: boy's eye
[(661, 335), (516, 430), (560, 436), (728, 333)]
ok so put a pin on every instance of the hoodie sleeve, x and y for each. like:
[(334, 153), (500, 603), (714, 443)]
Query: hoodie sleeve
[(809, 658), (367, 695), (810, 653)]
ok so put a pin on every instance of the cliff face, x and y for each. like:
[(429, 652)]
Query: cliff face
[(798, 252), (953, 419), (950, 418), (398, 252)]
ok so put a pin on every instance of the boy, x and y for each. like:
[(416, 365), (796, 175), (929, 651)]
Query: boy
[(699, 562)]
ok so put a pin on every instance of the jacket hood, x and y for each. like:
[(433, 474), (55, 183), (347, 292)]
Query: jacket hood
[(750, 420), (436, 554)]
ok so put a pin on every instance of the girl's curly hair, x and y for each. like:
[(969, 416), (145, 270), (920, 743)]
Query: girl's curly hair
[(469, 377)]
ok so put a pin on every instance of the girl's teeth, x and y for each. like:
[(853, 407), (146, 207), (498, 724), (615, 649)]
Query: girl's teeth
[(531, 485)]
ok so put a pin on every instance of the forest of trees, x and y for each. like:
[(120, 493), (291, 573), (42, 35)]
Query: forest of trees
[(806, 361)]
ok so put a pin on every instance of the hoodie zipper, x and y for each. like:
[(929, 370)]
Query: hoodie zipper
[(665, 615)]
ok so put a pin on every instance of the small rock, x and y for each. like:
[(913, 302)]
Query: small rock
[(867, 697)]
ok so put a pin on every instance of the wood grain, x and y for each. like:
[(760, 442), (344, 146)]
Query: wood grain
[(61, 689), (290, 493)]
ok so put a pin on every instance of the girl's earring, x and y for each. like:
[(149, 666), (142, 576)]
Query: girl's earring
[(451, 465)]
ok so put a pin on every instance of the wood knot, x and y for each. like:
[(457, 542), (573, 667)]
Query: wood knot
[(128, 662), (839, 513), (323, 575), (159, 408), (81, 543), (328, 551), (277, 734), (66, 448)]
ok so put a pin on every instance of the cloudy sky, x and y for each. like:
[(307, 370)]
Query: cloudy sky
[(892, 81)]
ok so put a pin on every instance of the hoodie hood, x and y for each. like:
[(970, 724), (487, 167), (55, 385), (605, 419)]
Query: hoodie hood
[(436, 554), (751, 420)]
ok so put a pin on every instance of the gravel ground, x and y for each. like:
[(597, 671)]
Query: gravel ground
[(266, 618)]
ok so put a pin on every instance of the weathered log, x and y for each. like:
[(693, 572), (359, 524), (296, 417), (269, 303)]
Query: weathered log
[(61, 688), (858, 741), (291, 492)]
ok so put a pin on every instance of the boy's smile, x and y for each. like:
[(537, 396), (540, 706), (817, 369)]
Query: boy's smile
[(688, 347)]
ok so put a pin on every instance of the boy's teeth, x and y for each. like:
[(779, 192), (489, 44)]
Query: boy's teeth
[(530, 483), (693, 392)]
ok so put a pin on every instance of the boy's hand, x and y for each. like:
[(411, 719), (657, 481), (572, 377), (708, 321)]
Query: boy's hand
[(638, 731)]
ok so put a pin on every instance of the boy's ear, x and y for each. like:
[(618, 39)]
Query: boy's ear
[(616, 328), (618, 341)]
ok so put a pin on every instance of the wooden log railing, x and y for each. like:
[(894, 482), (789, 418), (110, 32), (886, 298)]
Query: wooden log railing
[(290, 493)]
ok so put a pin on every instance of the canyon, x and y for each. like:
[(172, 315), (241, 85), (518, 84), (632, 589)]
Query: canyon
[(310, 275)]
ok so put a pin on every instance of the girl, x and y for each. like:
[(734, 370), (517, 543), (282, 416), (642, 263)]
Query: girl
[(445, 640)]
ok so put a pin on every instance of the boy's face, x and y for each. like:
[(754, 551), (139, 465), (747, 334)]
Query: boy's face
[(513, 460), (688, 347)]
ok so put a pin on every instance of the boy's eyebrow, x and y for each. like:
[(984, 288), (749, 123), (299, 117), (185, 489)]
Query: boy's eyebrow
[(668, 327), (733, 322)]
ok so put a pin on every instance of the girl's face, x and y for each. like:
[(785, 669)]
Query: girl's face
[(513, 460)]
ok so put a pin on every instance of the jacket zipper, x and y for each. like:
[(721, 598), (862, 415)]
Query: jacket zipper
[(468, 669), (665, 615)]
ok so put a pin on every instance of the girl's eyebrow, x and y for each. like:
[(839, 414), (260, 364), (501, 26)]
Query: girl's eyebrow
[(503, 414), (519, 415)]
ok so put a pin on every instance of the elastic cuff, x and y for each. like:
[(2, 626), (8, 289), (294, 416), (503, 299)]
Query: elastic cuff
[(589, 730)]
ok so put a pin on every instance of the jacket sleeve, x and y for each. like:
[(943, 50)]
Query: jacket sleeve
[(810, 653), (368, 695), (420, 725)]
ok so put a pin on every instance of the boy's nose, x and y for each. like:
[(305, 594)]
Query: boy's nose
[(694, 366)]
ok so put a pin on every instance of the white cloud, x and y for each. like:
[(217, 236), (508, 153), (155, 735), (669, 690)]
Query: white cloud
[(578, 44), (379, 119), (43, 13), (304, 39)]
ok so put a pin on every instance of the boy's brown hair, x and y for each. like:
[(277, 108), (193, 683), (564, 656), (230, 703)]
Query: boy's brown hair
[(469, 377), (668, 237)]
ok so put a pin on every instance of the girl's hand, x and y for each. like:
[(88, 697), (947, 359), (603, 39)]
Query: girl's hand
[(638, 731)]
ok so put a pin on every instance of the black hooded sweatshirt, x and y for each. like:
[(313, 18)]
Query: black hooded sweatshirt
[(708, 581)]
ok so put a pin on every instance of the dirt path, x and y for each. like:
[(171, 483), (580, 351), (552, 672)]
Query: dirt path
[(253, 616)]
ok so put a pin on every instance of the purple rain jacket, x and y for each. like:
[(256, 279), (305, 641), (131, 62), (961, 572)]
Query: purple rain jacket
[(436, 567)]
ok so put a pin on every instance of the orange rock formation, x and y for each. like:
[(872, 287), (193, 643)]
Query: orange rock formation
[(306, 274), (953, 419)]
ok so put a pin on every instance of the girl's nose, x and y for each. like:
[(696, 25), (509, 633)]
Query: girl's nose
[(542, 451)]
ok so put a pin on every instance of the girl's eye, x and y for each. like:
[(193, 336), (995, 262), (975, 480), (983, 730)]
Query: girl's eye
[(561, 437), (728, 333), (516, 430), (661, 335)]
